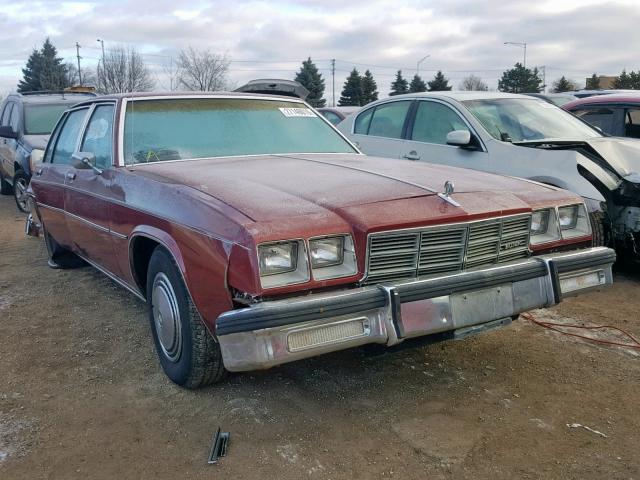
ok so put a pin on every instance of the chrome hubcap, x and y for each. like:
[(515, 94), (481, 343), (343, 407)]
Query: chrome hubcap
[(166, 317), (21, 192)]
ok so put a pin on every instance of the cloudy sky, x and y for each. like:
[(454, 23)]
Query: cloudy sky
[(269, 39)]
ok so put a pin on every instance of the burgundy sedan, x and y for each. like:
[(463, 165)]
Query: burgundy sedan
[(616, 114), (258, 235)]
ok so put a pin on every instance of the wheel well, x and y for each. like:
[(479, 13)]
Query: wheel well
[(141, 250)]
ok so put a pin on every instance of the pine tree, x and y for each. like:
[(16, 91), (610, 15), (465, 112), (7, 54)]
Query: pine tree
[(312, 80), (399, 85), (31, 73), (369, 88), (623, 81), (44, 70), (417, 84), (439, 83), (352, 91), (564, 85), (593, 83), (520, 79)]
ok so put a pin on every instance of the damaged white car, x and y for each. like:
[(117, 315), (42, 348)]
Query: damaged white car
[(513, 135)]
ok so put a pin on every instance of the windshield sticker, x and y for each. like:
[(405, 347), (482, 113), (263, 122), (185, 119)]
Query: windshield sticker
[(297, 112)]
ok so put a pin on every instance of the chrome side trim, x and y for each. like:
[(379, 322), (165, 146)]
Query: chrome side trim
[(100, 228), (113, 277)]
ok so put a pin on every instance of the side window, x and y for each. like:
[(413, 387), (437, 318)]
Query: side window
[(388, 119), (332, 117), (68, 136), (363, 121), (632, 123), (601, 117), (434, 121), (6, 114), (48, 153), (98, 137)]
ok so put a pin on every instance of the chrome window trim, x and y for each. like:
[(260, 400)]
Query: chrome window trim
[(442, 227)]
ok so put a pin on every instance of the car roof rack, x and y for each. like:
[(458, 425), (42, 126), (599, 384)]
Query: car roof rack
[(56, 92)]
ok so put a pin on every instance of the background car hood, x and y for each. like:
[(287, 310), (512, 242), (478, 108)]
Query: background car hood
[(36, 141), (269, 187)]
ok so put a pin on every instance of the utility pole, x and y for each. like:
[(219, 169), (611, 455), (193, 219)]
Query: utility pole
[(79, 57), (523, 45), (333, 81), (102, 42)]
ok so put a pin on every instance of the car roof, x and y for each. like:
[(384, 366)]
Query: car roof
[(460, 95), (51, 97), (154, 95), (605, 100)]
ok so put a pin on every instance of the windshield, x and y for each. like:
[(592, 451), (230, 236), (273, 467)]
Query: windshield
[(523, 120), (40, 119), (177, 129)]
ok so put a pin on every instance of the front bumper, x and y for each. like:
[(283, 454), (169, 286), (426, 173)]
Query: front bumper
[(275, 332)]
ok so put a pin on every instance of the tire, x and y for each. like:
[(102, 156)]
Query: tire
[(5, 188), (598, 229), (60, 257), (189, 355), (20, 184)]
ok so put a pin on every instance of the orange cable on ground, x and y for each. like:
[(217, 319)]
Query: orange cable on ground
[(556, 327)]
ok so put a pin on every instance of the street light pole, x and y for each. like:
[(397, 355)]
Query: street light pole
[(102, 42), (524, 46), (419, 62)]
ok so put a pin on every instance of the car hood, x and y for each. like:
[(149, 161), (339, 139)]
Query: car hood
[(270, 187), (36, 141)]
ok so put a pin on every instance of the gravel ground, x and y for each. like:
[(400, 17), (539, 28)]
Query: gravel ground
[(82, 395)]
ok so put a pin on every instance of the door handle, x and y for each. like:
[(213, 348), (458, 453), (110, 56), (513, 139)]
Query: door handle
[(412, 155), (71, 175)]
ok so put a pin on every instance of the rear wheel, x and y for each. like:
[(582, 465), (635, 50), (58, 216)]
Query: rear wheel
[(5, 188), (20, 184), (190, 356)]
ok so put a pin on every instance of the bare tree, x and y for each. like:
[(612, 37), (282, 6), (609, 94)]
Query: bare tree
[(202, 70), (473, 83), (88, 76), (170, 78), (123, 70)]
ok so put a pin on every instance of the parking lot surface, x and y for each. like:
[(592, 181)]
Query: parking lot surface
[(82, 394)]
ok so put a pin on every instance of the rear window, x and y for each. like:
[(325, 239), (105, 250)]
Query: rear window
[(40, 119), (179, 129)]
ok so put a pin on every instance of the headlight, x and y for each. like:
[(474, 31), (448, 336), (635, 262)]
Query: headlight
[(283, 263), (326, 252), (540, 222), (568, 217), (574, 221), (332, 257), (544, 226), (278, 258), (35, 158)]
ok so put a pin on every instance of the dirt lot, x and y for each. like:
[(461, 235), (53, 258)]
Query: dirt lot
[(82, 395)]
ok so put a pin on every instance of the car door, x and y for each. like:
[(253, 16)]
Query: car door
[(8, 145), (48, 182), (431, 122), (380, 130), (88, 191)]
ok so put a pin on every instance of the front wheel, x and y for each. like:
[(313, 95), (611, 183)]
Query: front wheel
[(20, 184), (190, 356)]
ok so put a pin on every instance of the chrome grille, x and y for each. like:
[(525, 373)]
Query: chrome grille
[(446, 249)]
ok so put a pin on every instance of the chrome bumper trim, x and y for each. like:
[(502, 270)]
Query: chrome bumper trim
[(259, 336)]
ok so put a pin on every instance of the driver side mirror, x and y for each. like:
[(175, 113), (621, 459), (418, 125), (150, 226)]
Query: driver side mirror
[(85, 161), (459, 138), (7, 132)]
